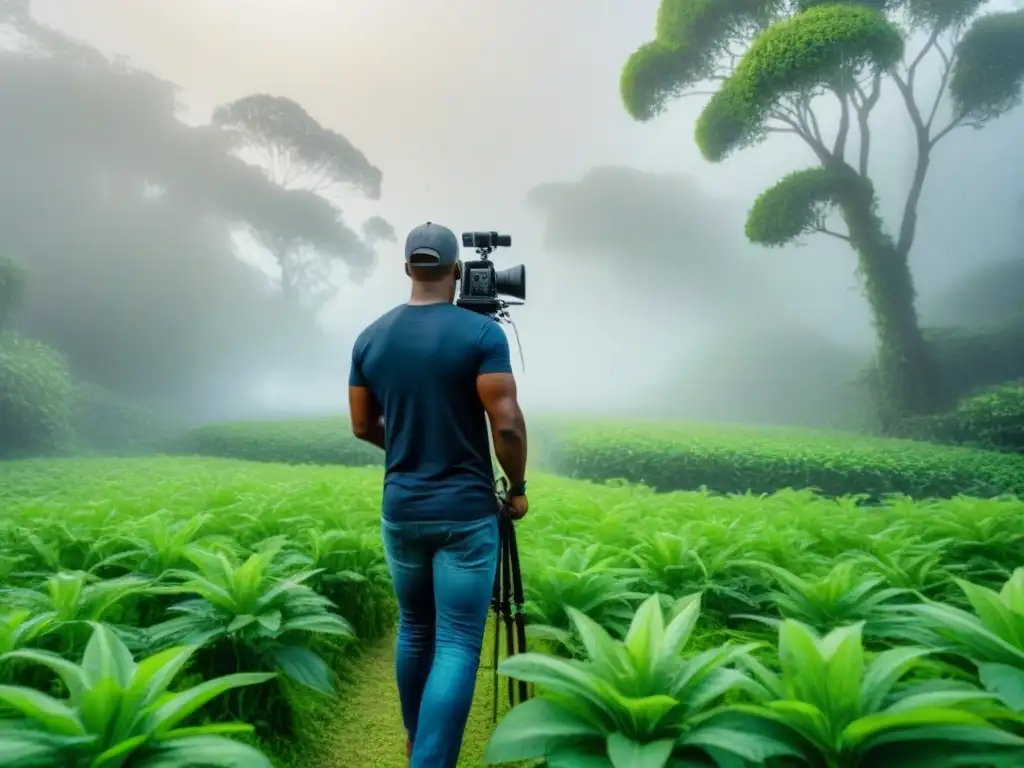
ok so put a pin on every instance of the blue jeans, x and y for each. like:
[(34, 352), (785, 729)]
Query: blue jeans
[(443, 575)]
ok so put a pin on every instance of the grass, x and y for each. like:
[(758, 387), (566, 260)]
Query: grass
[(596, 547)]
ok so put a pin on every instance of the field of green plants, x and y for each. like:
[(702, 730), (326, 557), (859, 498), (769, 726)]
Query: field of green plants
[(202, 610)]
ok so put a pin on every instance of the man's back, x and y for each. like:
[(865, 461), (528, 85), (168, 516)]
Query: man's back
[(421, 363)]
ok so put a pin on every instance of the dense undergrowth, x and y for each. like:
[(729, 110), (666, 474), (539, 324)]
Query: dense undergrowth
[(223, 557)]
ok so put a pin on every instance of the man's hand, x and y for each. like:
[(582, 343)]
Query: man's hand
[(517, 507)]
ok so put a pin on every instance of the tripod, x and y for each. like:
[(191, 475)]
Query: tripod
[(507, 603)]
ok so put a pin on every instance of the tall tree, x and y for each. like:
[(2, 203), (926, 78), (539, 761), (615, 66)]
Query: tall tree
[(122, 217), (304, 158), (774, 62)]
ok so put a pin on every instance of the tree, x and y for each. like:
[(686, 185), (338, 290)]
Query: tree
[(305, 158), (774, 62), (123, 216)]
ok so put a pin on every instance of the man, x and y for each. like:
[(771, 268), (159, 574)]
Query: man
[(423, 377)]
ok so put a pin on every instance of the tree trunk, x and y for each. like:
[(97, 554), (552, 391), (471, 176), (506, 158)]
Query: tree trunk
[(907, 375)]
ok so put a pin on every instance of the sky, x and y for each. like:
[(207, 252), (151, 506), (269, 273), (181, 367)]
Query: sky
[(467, 105)]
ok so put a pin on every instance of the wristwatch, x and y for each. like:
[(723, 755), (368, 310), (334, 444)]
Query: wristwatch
[(517, 490)]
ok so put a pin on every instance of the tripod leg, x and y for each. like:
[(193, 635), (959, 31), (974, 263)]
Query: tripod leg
[(519, 598)]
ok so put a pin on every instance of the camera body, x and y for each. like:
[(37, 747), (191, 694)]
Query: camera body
[(481, 285)]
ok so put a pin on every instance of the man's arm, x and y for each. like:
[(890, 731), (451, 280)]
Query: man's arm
[(364, 411), (496, 387), (367, 419)]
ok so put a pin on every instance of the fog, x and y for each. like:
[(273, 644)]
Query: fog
[(488, 116)]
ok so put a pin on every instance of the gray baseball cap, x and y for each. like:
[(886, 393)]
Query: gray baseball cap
[(432, 240)]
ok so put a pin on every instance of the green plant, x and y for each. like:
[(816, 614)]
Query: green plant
[(992, 637), (579, 580), (67, 599), (251, 617), (633, 702), (844, 710), (842, 596), (120, 712)]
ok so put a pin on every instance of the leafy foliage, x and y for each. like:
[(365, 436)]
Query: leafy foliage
[(691, 38), (36, 397), (800, 204), (279, 122), (988, 77), (228, 544), (845, 710), (812, 49), (637, 700), (993, 419), (120, 712)]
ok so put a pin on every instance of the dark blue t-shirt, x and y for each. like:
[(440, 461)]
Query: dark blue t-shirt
[(421, 364)]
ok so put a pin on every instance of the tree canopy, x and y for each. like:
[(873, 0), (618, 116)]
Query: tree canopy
[(123, 218), (773, 61), (307, 161)]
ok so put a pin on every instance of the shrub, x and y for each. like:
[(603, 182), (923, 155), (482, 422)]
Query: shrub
[(765, 460), (993, 419), (36, 397), (300, 441)]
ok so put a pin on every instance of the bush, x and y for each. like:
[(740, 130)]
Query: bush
[(105, 421), (764, 460), (300, 441), (36, 397), (992, 420)]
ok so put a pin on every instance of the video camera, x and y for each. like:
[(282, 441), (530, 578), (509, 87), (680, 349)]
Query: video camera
[(482, 284)]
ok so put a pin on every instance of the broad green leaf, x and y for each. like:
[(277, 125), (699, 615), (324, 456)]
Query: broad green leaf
[(993, 613), (106, 656), (626, 753), (601, 648), (558, 675), (678, 632), (845, 672), (1005, 682), (166, 715), (884, 672), (212, 751), (753, 742), (646, 633), (804, 670), (531, 728), (936, 698), (71, 674), (305, 667), (870, 726), (50, 713)]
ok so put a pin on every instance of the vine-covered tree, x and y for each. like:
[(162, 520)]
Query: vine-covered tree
[(305, 158), (775, 62)]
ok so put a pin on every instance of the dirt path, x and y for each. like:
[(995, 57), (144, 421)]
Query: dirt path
[(368, 732)]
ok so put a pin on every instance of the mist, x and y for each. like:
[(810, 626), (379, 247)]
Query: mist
[(135, 218)]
